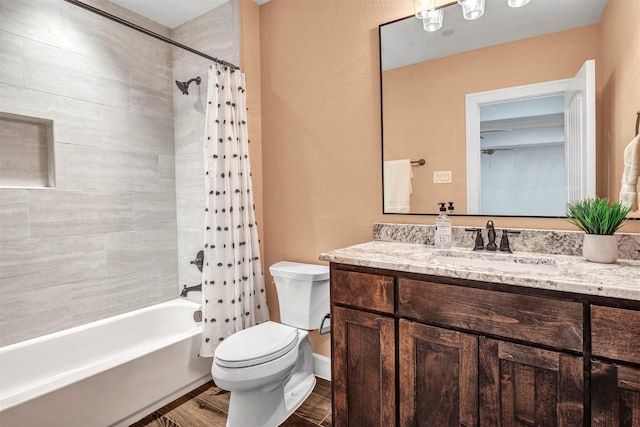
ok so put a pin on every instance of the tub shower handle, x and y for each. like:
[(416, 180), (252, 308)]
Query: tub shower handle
[(199, 260)]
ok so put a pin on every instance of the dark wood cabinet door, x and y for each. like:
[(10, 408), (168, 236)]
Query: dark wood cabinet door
[(526, 386), (615, 395), (362, 290), (615, 333), (550, 322), (363, 369), (438, 377)]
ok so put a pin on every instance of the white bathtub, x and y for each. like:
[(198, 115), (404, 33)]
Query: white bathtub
[(109, 372)]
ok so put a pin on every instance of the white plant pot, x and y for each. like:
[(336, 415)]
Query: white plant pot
[(600, 248)]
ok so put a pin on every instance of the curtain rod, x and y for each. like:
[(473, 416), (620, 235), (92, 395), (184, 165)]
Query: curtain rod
[(148, 32)]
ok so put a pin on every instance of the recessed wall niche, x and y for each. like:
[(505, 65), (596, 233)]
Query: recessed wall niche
[(26, 152)]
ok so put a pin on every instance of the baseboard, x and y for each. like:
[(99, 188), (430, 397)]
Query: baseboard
[(322, 366)]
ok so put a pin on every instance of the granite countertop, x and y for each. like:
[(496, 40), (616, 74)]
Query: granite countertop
[(542, 271)]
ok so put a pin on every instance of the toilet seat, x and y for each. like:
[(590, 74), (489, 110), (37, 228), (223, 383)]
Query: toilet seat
[(256, 345)]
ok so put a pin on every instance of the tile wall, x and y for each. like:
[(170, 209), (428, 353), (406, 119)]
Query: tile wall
[(25, 151), (215, 33), (106, 240)]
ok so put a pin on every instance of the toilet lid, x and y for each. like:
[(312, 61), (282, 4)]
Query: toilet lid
[(255, 345)]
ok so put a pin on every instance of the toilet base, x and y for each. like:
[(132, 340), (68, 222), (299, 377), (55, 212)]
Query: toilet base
[(269, 408)]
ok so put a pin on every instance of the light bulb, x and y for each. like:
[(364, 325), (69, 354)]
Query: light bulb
[(472, 9), (517, 3), (433, 20)]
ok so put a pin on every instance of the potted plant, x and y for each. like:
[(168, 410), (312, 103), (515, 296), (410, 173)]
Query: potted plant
[(599, 219)]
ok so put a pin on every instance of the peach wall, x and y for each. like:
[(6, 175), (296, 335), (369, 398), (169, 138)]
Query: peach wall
[(321, 156), (321, 127), (250, 65), (620, 79), (430, 111)]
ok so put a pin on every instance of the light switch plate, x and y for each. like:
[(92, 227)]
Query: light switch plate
[(442, 177)]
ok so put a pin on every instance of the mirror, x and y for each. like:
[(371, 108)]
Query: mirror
[(426, 78)]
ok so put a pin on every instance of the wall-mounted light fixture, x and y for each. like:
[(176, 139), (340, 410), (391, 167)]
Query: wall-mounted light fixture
[(471, 9)]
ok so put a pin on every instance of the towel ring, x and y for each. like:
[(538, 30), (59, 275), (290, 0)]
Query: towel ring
[(638, 123)]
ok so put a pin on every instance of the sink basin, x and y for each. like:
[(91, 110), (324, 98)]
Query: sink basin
[(502, 262)]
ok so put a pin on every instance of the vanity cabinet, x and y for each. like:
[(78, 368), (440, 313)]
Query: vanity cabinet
[(615, 383), (438, 376), (418, 350), (615, 395), (467, 379), (412, 349), (524, 385), (545, 321), (449, 378), (364, 349)]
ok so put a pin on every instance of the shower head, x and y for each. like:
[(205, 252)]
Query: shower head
[(184, 86)]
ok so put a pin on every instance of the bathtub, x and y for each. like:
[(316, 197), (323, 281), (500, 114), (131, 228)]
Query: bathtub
[(111, 372)]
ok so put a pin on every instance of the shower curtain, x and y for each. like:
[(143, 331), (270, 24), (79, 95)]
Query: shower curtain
[(233, 291)]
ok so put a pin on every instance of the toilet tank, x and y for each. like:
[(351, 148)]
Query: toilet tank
[(303, 293)]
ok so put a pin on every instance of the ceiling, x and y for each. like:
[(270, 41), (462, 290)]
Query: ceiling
[(172, 13), (405, 42)]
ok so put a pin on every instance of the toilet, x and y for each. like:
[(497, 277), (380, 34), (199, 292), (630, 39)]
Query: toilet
[(268, 368)]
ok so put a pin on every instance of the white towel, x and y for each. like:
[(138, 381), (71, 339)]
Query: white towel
[(397, 186), (629, 186)]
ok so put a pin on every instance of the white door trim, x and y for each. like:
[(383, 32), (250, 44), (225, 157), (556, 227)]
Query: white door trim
[(473, 102), (580, 134)]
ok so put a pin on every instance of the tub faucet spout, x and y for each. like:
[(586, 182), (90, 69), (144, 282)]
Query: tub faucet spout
[(185, 290)]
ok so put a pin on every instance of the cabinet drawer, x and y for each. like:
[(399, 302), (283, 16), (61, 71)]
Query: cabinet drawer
[(533, 319), (362, 290), (615, 333)]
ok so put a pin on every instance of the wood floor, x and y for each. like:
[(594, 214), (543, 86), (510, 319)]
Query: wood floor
[(207, 406)]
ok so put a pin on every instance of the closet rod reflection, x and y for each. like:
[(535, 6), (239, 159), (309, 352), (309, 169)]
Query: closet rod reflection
[(420, 162)]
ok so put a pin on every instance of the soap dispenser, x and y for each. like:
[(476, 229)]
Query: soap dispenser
[(443, 229)]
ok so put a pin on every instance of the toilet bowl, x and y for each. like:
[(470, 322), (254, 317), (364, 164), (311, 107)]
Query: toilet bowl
[(268, 368)]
